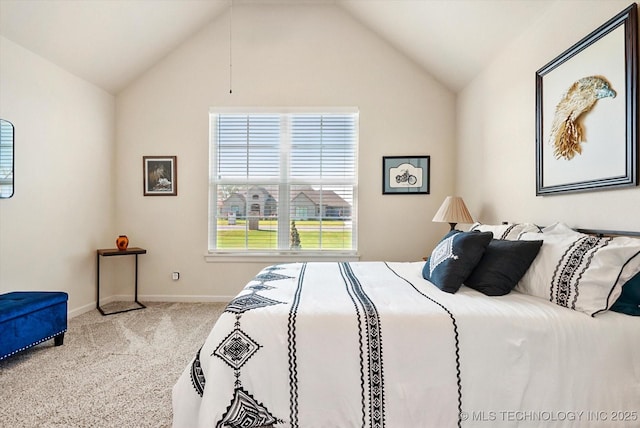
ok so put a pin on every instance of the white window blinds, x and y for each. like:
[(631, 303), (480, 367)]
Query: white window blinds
[(283, 181), (6, 158)]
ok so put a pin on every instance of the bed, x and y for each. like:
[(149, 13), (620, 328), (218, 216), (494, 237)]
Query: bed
[(375, 344)]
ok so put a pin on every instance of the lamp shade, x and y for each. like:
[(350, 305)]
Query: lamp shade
[(453, 210)]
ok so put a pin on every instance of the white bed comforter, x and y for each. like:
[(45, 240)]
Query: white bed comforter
[(372, 344)]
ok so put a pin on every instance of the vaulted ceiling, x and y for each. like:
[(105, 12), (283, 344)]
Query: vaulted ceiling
[(111, 42)]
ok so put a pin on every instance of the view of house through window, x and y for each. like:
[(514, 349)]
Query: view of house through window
[(283, 181)]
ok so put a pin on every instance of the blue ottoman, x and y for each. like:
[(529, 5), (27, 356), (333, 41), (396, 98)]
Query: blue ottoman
[(28, 318)]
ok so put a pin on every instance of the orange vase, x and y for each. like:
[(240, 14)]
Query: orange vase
[(122, 242)]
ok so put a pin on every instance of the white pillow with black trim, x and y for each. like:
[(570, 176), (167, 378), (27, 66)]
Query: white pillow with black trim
[(580, 272), (509, 231)]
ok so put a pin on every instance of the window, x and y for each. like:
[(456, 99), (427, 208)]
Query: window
[(289, 177), (6, 158)]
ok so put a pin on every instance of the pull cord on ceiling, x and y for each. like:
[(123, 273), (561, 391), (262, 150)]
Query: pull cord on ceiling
[(230, 47)]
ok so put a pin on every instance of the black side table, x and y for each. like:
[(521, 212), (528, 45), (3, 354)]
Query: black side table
[(115, 252)]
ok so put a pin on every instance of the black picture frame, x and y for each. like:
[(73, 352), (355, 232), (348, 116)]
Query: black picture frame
[(160, 175), (405, 175), (608, 154)]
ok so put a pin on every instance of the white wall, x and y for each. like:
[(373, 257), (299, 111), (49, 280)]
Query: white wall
[(76, 189), (62, 209), (283, 55), (496, 132)]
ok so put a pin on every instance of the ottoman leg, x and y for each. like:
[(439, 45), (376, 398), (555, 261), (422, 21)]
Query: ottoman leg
[(59, 339)]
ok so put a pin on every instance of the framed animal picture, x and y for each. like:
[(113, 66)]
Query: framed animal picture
[(586, 112), (160, 175)]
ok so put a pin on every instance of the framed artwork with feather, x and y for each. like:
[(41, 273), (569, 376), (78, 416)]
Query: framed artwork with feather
[(586, 112)]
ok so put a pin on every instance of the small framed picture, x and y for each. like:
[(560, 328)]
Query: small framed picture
[(160, 175), (403, 175)]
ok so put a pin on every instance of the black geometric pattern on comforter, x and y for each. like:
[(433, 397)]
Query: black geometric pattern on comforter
[(372, 348), (248, 302), (236, 349), (197, 376), (245, 411)]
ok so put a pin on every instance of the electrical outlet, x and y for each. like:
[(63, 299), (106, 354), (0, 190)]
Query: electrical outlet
[(175, 276)]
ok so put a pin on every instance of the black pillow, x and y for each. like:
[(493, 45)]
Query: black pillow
[(454, 258), (629, 301), (502, 266)]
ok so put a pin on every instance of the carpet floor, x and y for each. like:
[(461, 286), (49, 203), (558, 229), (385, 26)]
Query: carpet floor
[(112, 371)]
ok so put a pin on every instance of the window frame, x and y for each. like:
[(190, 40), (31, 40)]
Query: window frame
[(214, 254)]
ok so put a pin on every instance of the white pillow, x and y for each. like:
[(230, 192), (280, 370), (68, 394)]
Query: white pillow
[(579, 271), (509, 231)]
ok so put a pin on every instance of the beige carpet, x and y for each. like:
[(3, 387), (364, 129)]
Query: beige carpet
[(112, 371)]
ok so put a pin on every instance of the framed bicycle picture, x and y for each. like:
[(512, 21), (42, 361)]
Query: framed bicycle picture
[(402, 175)]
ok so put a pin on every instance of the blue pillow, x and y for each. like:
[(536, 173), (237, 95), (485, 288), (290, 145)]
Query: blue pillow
[(629, 301), (502, 265), (454, 258)]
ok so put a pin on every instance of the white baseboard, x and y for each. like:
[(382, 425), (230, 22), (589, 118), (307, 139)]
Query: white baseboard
[(90, 306), (182, 299), (81, 310)]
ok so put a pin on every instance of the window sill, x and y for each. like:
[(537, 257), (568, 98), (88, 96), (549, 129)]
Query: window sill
[(250, 257)]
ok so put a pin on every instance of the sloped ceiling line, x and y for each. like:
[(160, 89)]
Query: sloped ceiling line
[(111, 42)]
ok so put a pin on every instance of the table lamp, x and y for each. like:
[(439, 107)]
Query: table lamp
[(453, 211)]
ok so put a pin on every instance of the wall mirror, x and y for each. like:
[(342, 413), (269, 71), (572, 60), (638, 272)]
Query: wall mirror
[(7, 135)]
